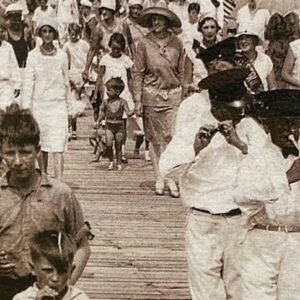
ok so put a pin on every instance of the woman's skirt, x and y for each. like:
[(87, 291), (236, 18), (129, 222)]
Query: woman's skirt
[(52, 118), (159, 124)]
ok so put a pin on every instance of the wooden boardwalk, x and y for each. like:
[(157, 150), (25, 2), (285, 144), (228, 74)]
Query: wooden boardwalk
[(138, 252)]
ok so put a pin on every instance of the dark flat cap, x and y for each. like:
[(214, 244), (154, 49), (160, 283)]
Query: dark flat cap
[(225, 49)]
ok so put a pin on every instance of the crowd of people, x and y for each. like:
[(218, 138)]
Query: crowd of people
[(216, 99)]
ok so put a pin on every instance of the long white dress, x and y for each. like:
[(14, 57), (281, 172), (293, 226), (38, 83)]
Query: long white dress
[(46, 87)]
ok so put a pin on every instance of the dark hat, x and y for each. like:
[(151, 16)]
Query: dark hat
[(282, 102), (225, 49), (145, 17), (227, 86)]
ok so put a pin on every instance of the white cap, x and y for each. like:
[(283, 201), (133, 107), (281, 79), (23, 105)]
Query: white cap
[(14, 7), (109, 4), (135, 2), (86, 3)]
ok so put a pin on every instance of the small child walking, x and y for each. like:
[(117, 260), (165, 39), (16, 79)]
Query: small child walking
[(52, 253), (112, 110), (116, 64), (77, 50)]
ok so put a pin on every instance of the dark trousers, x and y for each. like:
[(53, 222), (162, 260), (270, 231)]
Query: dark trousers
[(10, 287)]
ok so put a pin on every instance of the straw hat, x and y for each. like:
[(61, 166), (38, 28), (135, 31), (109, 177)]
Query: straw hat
[(86, 3), (109, 4), (135, 2), (251, 34), (145, 17), (48, 21), (14, 8)]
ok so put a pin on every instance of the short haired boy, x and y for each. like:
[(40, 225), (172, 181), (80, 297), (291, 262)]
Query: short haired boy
[(52, 254), (30, 202)]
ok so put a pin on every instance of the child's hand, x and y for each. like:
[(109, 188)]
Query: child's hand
[(46, 293)]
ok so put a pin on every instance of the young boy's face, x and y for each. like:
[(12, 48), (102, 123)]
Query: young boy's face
[(48, 277), (193, 16), (112, 92), (43, 4), (20, 160), (74, 35)]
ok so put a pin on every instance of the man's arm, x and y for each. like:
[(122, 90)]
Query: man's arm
[(94, 49), (293, 174)]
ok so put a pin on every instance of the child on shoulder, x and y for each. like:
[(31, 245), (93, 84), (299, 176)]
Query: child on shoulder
[(52, 254), (112, 111)]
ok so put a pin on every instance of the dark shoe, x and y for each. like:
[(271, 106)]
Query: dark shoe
[(74, 136), (124, 160)]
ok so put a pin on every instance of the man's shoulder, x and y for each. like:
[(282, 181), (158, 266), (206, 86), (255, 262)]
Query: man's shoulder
[(58, 186)]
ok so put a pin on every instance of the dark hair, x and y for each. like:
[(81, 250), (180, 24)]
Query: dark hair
[(56, 246), (194, 6), (118, 38), (52, 28), (18, 127), (74, 27), (116, 82), (206, 19)]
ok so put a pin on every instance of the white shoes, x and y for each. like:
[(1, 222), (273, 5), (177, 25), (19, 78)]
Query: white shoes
[(147, 155)]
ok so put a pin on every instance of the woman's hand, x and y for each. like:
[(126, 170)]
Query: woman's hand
[(227, 129)]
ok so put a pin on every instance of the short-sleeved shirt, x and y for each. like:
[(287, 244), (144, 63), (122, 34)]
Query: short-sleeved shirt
[(72, 293), (40, 14), (50, 205)]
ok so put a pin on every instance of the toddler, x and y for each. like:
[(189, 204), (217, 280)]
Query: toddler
[(112, 111)]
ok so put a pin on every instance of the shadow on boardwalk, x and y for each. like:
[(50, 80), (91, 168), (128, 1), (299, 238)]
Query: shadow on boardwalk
[(138, 252)]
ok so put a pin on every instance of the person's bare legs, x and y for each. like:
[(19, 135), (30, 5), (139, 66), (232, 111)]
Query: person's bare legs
[(155, 152), (58, 165)]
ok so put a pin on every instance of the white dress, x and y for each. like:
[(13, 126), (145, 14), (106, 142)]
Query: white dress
[(10, 77), (46, 87), (295, 46), (118, 67)]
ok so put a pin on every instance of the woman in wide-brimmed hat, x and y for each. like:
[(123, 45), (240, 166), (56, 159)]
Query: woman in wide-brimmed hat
[(46, 87), (158, 77)]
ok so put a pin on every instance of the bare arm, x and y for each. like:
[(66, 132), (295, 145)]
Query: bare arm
[(293, 174), (99, 83), (129, 112), (94, 49), (272, 85), (288, 65)]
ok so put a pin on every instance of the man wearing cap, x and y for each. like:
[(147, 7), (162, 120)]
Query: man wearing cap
[(270, 200), (109, 24), (210, 141), (136, 31), (18, 33), (252, 18), (10, 78), (42, 11), (88, 19)]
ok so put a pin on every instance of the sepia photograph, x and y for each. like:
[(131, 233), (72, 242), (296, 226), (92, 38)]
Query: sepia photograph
[(149, 149)]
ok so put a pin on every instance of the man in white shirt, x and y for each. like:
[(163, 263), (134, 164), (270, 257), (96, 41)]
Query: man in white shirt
[(253, 19), (10, 78), (206, 161), (270, 202)]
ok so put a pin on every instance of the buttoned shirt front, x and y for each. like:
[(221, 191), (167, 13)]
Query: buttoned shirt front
[(50, 205)]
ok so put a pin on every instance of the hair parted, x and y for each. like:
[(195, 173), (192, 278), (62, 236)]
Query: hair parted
[(56, 246)]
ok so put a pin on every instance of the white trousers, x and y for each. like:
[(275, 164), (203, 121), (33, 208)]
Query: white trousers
[(270, 265), (213, 244)]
